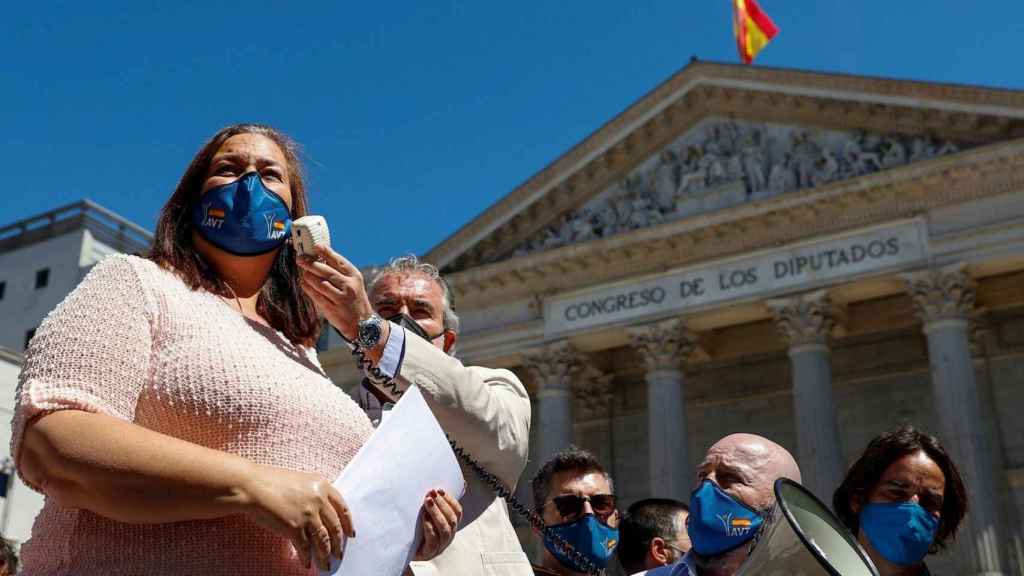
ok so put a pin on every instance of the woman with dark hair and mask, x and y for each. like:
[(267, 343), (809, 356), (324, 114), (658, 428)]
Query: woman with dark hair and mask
[(903, 499), (172, 409)]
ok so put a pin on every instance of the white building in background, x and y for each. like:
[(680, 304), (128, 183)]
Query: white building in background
[(42, 259), (20, 504)]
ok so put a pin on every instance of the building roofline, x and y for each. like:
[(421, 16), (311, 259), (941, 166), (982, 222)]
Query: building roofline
[(8, 355), (86, 212)]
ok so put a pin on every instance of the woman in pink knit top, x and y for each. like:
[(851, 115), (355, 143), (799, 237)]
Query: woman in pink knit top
[(173, 410)]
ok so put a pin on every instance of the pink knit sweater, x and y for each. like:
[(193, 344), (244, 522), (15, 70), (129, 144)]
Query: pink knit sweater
[(134, 342)]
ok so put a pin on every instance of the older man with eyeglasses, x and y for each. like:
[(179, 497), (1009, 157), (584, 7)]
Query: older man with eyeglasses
[(575, 497)]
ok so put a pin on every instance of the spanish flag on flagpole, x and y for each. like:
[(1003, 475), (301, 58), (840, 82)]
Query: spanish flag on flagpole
[(753, 28)]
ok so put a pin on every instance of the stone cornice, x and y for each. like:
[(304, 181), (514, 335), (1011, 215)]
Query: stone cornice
[(702, 89), (876, 198)]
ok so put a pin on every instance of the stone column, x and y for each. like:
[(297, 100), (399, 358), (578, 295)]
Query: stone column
[(806, 322), (943, 300), (552, 368), (664, 346)]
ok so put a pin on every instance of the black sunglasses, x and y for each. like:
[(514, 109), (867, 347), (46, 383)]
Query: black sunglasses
[(570, 505)]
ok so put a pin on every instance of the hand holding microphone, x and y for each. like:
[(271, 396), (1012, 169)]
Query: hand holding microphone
[(333, 283)]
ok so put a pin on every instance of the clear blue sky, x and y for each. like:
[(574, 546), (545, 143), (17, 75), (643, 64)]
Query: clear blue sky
[(415, 116)]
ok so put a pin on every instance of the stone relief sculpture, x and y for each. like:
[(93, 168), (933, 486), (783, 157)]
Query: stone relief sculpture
[(763, 160), (753, 164), (826, 167), (781, 177), (665, 180)]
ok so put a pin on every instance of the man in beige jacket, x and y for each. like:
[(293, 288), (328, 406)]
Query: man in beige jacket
[(409, 330)]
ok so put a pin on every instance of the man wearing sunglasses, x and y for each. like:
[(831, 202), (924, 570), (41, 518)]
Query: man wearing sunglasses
[(653, 534), (731, 501), (575, 496)]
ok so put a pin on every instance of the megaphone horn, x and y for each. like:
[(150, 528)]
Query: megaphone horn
[(801, 537)]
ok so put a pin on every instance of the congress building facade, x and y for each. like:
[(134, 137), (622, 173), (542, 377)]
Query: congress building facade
[(811, 257)]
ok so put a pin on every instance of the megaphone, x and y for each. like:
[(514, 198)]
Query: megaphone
[(801, 537)]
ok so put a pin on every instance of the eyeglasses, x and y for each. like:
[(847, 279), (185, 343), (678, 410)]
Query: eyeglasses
[(570, 505)]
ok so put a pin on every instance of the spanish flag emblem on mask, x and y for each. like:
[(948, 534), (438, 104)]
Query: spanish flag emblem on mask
[(753, 28)]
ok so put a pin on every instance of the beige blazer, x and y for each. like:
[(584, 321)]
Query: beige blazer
[(487, 412)]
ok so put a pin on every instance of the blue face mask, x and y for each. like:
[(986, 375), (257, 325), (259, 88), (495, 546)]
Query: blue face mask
[(902, 532), (243, 217), (595, 540), (718, 522)]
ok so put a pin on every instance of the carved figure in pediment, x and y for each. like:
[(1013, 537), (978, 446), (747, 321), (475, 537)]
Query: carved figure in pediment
[(947, 148), (644, 212), (607, 221), (805, 153), (623, 208), (582, 226), (858, 158), (711, 163), (665, 180), (734, 168), (551, 239), (726, 136), (692, 176), (895, 153), (692, 182), (826, 168), (632, 207), (781, 177), (753, 164), (691, 161), (565, 229), (921, 148)]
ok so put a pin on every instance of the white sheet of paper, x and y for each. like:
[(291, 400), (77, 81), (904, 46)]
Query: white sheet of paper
[(384, 486)]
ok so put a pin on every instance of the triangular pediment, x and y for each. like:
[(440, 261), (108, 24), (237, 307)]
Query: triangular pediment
[(722, 163), (715, 136)]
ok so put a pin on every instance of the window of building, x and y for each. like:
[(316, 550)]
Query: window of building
[(3, 288), (42, 278), (28, 336)]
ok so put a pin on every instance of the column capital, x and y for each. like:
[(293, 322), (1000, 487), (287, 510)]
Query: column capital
[(592, 393), (941, 294), (663, 345), (805, 319), (552, 367)]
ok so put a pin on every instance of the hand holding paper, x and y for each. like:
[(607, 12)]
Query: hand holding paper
[(384, 485)]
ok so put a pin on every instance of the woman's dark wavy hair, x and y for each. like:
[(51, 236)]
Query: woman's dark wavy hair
[(881, 452), (281, 301)]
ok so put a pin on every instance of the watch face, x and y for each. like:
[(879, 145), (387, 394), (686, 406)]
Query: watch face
[(369, 333)]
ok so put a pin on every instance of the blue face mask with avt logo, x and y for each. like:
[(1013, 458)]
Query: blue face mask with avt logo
[(718, 522), (593, 539), (243, 217)]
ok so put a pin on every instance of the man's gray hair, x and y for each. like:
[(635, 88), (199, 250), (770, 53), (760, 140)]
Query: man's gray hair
[(410, 264)]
